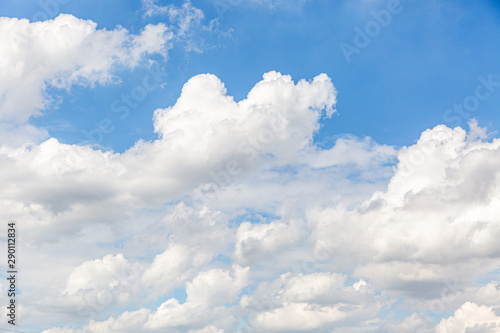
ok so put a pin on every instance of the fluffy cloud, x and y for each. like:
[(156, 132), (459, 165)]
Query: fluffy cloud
[(489, 294), (388, 243), (206, 295), (102, 282), (216, 287), (255, 241), (61, 177), (298, 317), (38, 55), (277, 117), (310, 302), (64, 193), (440, 208), (173, 267), (471, 318)]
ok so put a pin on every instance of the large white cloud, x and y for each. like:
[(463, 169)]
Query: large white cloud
[(38, 55), (61, 177), (470, 318)]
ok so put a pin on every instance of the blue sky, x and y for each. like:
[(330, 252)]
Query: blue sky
[(334, 193)]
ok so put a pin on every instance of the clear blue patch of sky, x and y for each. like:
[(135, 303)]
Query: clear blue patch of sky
[(179, 294), (224, 259), (253, 216)]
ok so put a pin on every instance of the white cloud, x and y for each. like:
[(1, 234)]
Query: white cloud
[(102, 282), (414, 323), (298, 317), (184, 16), (388, 242), (440, 208), (489, 294), (471, 318), (256, 240), (208, 329), (173, 267), (69, 179), (436, 220), (63, 193), (277, 117), (187, 23), (216, 287), (206, 295), (16, 135), (309, 302), (39, 55)]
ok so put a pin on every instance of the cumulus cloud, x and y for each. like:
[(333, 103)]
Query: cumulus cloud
[(256, 240), (173, 267), (216, 287), (310, 302), (60, 177), (471, 318), (38, 55), (206, 294), (182, 208), (488, 294), (278, 114), (102, 282), (440, 208)]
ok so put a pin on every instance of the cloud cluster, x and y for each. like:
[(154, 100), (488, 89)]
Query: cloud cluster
[(76, 189), (207, 293), (235, 206), (427, 238), (435, 221), (60, 178)]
